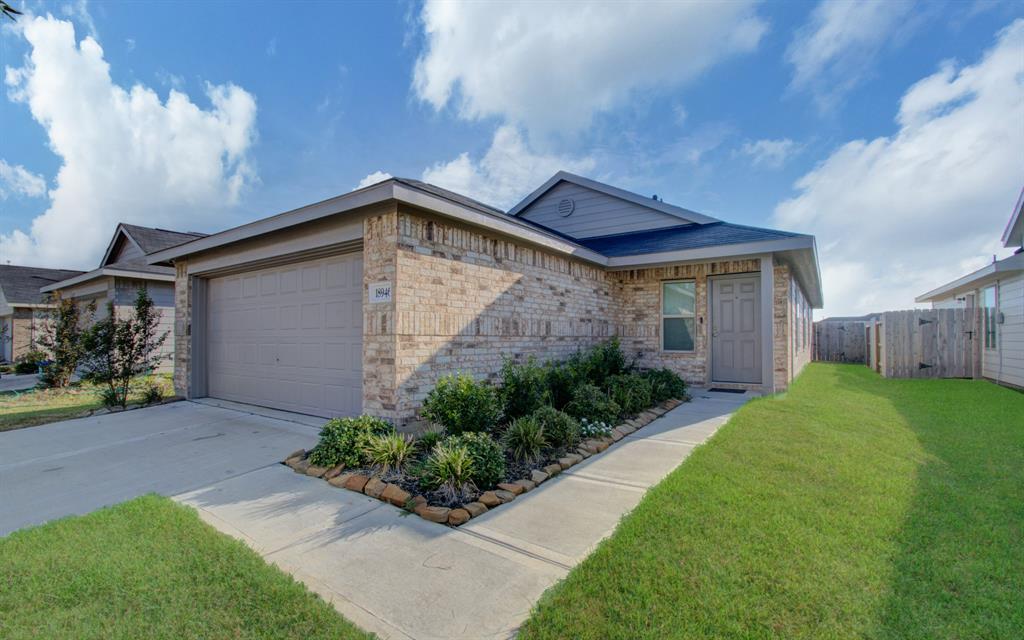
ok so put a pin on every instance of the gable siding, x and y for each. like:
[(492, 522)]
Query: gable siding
[(125, 250), (596, 214)]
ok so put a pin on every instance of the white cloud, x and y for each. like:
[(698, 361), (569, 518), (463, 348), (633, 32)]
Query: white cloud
[(126, 155), (373, 178), (833, 51), (553, 66), (897, 216), (769, 153), (508, 171), (17, 180)]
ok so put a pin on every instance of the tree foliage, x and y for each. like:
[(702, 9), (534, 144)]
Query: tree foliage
[(63, 338)]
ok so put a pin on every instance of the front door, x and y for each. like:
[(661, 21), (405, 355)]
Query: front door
[(736, 329)]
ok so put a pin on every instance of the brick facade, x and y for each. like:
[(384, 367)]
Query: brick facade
[(182, 330), (24, 332)]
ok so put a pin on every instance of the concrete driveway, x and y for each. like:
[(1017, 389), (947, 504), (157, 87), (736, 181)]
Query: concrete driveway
[(77, 466)]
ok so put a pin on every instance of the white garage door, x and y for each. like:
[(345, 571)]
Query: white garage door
[(289, 337)]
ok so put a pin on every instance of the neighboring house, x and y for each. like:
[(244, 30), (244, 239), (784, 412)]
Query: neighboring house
[(998, 290), (122, 271), (361, 302), (23, 306)]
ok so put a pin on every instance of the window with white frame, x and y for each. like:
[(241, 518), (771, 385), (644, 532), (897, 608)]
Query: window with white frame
[(988, 303), (678, 310)]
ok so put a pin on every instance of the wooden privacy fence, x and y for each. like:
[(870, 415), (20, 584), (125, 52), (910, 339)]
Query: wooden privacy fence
[(839, 341), (928, 343), (920, 343)]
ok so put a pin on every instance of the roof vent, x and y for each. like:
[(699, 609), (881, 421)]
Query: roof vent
[(566, 206)]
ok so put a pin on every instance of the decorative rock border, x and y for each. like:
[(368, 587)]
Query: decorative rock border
[(504, 493)]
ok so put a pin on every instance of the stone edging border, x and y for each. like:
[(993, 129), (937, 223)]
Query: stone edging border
[(504, 493)]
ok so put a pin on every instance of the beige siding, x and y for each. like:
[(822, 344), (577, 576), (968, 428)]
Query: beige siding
[(1005, 364), (595, 213)]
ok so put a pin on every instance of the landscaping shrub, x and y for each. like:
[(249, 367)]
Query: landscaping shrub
[(28, 362), (525, 438), (604, 361), (524, 387), (63, 336), (631, 392), (152, 393), (590, 429), (449, 467), (665, 384), (560, 429), (461, 404), (391, 451), (487, 454), (429, 439), (346, 441), (563, 378), (591, 403)]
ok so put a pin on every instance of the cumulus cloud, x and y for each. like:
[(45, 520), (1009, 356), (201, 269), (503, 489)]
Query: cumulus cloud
[(17, 180), (769, 153), (553, 66), (373, 178), (832, 52), (899, 215), (127, 156), (508, 171)]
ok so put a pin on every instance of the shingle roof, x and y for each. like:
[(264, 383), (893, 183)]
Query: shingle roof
[(21, 284), (690, 236), (150, 239)]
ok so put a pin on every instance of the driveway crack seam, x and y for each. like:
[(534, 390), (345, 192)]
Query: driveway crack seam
[(512, 547)]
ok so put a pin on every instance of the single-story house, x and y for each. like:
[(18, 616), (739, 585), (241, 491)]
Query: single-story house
[(998, 290), (358, 304), (23, 306), (123, 271)]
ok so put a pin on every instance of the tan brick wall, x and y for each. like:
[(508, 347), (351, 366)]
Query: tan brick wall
[(25, 330), (380, 248), (182, 323), (793, 338), (638, 320)]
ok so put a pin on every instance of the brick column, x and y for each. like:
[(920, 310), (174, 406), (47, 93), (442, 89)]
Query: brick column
[(182, 329), (380, 251)]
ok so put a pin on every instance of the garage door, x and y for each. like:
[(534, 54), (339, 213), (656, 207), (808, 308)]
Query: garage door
[(289, 337)]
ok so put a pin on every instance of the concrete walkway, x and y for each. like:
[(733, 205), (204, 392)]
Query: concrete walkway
[(402, 577), (77, 466)]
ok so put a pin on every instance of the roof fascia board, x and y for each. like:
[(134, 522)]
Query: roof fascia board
[(607, 189), (104, 272), (1012, 264), (1013, 235), (713, 252)]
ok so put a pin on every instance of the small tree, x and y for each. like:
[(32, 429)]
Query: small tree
[(63, 337), (120, 349)]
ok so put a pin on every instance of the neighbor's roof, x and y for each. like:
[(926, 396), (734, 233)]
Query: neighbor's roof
[(982, 276), (21, 285), (1013, 236), (683, 237), (148, 240)]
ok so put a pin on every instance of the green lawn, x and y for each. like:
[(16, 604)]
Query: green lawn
[(851, 507), (39, 406), (149, 568)]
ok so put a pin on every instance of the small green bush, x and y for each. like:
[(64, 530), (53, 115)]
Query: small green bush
[(588, 401), (461, 404), (391, 451), (561, 429), (449, 467), (665, 384), (524, 387), (28, 362), (429, 439), (346, 441), (152, 393), (590, 429), (604, 361), (525, 438), (563, 378), (487, 454), (631, 392)]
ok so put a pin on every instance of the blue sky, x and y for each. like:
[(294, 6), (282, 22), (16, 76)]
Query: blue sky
[(891, 130)]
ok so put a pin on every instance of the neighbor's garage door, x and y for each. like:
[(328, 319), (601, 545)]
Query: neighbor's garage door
[(289, 337)]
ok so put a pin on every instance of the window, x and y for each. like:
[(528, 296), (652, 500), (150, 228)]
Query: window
[(678, 304), (988, 304)]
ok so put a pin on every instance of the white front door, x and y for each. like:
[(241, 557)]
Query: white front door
[(289, 337)]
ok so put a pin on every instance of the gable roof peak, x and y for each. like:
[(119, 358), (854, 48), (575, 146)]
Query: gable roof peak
[(655, 203)]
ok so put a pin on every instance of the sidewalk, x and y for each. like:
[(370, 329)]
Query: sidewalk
[(403, 577)]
